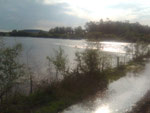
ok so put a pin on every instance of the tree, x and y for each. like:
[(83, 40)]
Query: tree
[(117, 30), (79, 32), (10, 69), (137, 49), (92, 61), (59, 61), (90, 65), (88, 60)]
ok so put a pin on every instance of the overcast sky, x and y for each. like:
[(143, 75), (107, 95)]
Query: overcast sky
[(45, 14)]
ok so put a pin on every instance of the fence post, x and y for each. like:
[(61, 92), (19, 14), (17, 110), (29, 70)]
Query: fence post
[(117, 61)]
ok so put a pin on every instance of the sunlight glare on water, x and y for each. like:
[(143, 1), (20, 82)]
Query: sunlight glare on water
[(103, 109)]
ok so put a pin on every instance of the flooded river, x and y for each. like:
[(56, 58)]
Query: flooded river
[(35, 50), (121, 94)]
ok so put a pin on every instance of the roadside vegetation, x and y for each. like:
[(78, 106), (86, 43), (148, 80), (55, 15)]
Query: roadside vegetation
[(90, 75), (10, 69)]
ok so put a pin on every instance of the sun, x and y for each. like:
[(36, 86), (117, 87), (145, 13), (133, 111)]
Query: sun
[(103, 109)]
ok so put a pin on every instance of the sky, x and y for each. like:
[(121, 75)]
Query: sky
[(46, 14)]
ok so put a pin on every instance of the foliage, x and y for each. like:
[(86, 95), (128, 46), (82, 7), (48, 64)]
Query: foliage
[(92, 60), (88, 61), (117, 30), (59, 61), (57, 32), (10, 69), (138, 49)]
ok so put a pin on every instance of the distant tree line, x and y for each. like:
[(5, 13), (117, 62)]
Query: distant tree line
[(118, 31), (100, 30), (57, 32)]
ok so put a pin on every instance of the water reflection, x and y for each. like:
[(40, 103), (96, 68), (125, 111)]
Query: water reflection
[(103, 109), (121, 95), (41, 47)]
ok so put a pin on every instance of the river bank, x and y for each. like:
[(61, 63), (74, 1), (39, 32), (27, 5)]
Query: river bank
[(55, 97)]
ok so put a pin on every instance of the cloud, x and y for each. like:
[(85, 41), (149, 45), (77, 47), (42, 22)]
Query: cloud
[(133, 10), (23, 14)]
